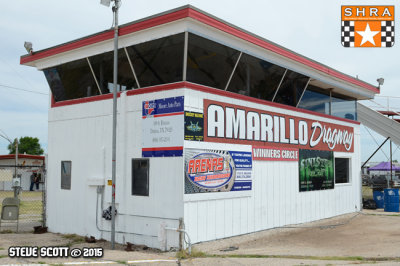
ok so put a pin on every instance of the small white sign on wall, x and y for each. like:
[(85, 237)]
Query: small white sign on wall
[(163, 127)]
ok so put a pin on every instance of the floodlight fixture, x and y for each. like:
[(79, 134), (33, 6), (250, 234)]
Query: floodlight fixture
[(380, 81), (28, 47), (105, 2)]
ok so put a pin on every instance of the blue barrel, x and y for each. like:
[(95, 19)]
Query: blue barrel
[(379, 199), (391, 198)]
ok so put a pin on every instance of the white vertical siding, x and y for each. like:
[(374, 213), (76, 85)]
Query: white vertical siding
[(275, 199), (82, 133)]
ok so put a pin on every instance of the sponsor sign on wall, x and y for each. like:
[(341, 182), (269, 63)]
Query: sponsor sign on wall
[(194, 126), (162, 126), (315, 170), (229, 123), (217, 171), (265, 153)]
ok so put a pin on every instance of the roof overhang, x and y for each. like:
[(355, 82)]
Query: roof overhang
[(188, 18)]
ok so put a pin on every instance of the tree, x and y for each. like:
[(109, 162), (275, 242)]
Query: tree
[(28, 145)]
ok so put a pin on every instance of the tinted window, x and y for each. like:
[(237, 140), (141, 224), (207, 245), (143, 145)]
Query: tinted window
[(291, 88), (66, 174), (140, 177), (103, 67), (256, 78), (159, 61), (71, 80), (315, 99), (155, 62), (344, 107), (209, 63), (342, 170)]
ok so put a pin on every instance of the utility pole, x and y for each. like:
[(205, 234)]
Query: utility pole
[(114, 134), (16, 167), (4, 136), (115, 8)]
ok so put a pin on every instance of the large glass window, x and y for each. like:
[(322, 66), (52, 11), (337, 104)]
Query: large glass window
[(71, 80), (103, 67), (209, 63), (316, 99), (155, 62), (256, 78), (159, 61), (291, 88), (344, 107)]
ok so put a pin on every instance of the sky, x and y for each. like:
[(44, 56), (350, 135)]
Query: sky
[(309, 27)]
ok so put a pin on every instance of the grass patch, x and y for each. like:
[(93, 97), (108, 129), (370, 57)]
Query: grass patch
[(6, 232), (3, 256), (73, 239), (328, 258), (41, 262), (121, 262), (31, 207), (1, 248), (184, 254)]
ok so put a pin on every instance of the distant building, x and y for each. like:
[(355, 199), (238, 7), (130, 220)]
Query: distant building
[(26, 165), (218, 127)]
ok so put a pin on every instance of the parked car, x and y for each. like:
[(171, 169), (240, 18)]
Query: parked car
[(378, 182)]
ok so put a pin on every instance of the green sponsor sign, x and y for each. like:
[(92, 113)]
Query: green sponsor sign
[(315, 170), (194, 126)]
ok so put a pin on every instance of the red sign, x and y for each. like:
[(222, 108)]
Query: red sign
[(264, 153), (236, 124)]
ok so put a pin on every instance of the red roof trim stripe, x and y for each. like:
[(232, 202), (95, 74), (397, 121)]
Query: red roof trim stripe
[(68, 47), (197, 15), (188, 85), (21, 156), (247, 37)]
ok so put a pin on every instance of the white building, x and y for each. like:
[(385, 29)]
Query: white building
[(216, 125), (27, 164)]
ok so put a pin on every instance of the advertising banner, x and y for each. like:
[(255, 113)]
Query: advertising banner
[(194, 125), (217, 171), (162, 126), (316, 170), (227, 123)]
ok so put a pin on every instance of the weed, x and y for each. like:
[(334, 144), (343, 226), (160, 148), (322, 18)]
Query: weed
[(184, 254), (73, 239)]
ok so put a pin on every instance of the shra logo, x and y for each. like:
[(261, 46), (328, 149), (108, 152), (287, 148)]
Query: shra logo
[(367, 26)]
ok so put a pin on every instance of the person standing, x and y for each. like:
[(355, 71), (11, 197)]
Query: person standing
[(37, 181), (33, 180)]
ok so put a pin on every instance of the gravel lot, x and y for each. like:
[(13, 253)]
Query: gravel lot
[(363, 238)]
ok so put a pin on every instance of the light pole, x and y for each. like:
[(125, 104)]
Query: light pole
[(3, 135), (114, 123)]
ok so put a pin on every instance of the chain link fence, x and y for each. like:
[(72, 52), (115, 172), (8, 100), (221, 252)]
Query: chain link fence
[(30, 188)]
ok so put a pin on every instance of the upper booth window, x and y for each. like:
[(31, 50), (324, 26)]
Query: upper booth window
[(155, 62), (209, 63)]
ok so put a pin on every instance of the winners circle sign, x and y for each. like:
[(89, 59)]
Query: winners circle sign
[(241, 125)]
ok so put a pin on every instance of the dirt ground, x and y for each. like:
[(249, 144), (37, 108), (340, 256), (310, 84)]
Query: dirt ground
[(358, 238)]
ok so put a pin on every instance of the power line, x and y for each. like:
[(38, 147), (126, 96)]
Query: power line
[(19, 89)]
